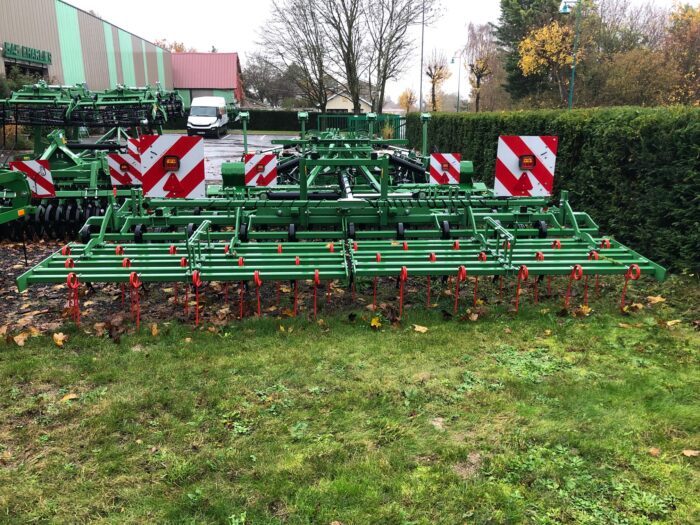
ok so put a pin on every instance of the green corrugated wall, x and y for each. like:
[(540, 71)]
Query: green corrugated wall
[(127, 53), (69, 43), (145, 62), (161, 66), (111, 57), (226, 93), (185, 94)]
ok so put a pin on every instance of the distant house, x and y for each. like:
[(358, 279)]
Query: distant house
[(207, 74), (342, 103)]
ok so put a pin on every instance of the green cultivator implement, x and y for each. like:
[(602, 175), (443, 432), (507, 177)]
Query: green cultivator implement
[(71, 181), (341, 207)]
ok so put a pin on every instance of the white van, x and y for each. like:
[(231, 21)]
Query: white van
[(208, 116)]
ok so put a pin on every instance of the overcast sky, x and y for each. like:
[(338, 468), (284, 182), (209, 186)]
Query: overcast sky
[(234, 25)]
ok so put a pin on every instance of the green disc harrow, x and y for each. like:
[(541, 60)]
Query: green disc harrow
[(343, 207), (79, 170)]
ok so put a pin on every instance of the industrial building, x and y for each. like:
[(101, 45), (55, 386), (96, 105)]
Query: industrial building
[(206, 75), (66, 45)]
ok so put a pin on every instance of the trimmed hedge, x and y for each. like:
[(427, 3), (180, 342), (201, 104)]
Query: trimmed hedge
[(260, 120), (635, 171)]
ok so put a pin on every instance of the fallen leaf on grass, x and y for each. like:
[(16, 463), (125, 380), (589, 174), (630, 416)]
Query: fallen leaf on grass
[(507, 330), (375, 323), (100, 329), (188, 339), (3, 331), (69, 397), (154, 329), (691, 453), (59, 339), (21, 338), (548, 332), (654, 452), (420, 329), (655, 299), (627, 325), (582, 311), (671, 324), (472, 316), (634, 307), (282, 329)]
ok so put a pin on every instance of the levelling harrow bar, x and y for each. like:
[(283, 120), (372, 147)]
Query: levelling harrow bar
[(344, 207)]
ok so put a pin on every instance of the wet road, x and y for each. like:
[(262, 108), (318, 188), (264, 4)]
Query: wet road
[(230, 147)]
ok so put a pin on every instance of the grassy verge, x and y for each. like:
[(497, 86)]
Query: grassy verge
[(537, 418)]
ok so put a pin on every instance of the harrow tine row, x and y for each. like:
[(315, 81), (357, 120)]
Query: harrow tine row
[(338, 208)]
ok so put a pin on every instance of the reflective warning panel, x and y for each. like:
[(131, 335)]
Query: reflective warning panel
[(38, 175), (172, 166), (444, 168), (525, 166), (260, 169)]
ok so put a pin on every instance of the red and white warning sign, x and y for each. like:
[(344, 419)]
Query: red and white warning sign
[(125, 168), (260, 169), (38, 175), (525, 166), (444, 168), (172, 166)]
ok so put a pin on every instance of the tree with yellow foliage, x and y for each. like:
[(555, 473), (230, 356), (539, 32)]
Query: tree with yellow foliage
[(437, 70), (549, 49), (683, 49), (407, 100)]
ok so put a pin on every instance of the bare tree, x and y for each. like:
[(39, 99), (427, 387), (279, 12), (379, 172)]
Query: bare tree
[(343, 27), (293, 37), (266, 82), (480, 54), (437, 71), (390, 46)]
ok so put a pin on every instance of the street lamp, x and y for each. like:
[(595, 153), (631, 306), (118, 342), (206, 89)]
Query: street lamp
[(565, 9), (459, 74)]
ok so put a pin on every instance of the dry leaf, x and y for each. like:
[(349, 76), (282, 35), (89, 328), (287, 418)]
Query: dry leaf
[(507, 330), (59, 338), (654, 452), (582, 311), (691, 453), (154, 329), (473, 316), (69, 397), (375, 323), (674, 322), (548, 332), (20, 339), (627, 325), (634, 307), (654, 299), (282, 328), (420, 329), (188, 339), (100, 329), (3, 331)]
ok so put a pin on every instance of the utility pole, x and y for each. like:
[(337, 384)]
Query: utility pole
[(458, 58), (565, 9), (422, 38)]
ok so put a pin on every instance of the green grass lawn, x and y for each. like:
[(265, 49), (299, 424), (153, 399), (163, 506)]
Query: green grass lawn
[(535, 418)]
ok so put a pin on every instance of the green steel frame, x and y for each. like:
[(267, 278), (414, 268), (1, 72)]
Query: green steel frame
[(347, 206)]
